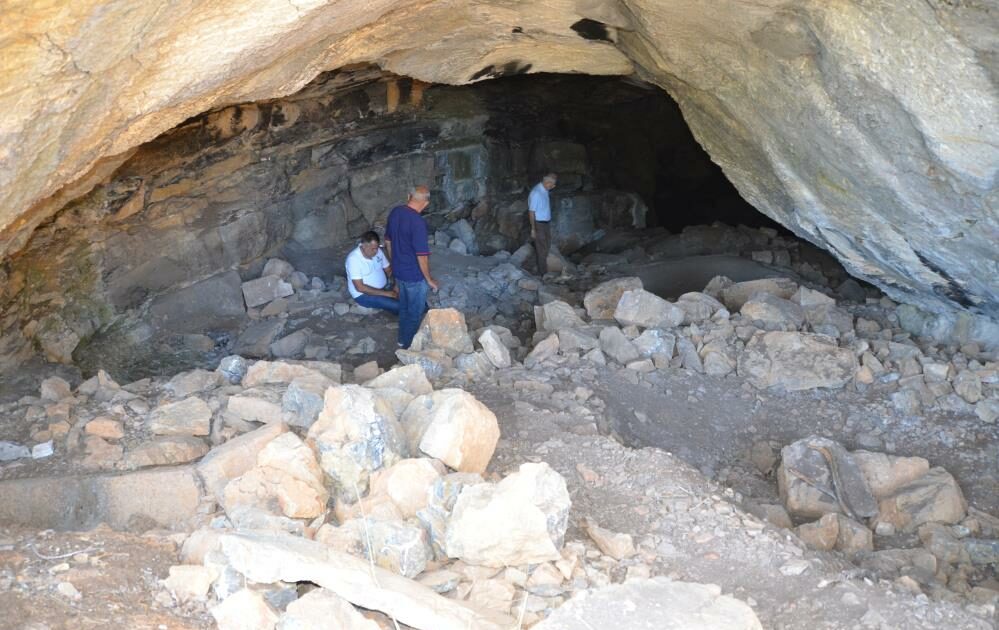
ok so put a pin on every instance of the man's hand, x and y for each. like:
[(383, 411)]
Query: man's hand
[(394, 293), (433, 284)]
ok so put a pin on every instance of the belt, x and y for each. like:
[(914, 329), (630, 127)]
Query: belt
[(536, 221)]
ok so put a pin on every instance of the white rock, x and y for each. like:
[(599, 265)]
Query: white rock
[(454, 427), (191, 416), (653, 604), (642, 308), (497, 353), (322, 609), (520, 520)]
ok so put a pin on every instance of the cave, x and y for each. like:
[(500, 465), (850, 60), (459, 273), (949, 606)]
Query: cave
[(760, 374)]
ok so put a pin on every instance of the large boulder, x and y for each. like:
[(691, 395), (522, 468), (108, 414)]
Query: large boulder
[(933, 498), (520, 520), (886, 473), (641, 308), (408, 483), (454, 427), (355, 434), (556, 315), (796, 361), (658, 603), (818, 476), (770, 312), (443, 328), (233, 458), (601, 301), (734, 296)]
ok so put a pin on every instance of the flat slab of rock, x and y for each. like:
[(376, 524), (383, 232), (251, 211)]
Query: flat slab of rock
[(265, 289), (653, 604), (233, 458), (796, 361), (191, 416), (555, 315), (737, 294), (272, 558), (166, 451), (256, 340)]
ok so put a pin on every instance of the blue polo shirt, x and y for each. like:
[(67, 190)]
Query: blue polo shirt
[(537, 202), (407, 231)]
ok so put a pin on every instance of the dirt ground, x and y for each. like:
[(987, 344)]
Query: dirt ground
[(662, 456)]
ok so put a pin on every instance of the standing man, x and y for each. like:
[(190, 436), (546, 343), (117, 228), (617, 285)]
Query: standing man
[(540, 211), (367, 275), (409, 252)]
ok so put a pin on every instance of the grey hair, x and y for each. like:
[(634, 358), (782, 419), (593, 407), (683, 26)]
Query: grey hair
[(419, 193), (550, 177)]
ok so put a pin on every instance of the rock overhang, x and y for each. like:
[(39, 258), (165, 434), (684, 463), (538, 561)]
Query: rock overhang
[(869, 130)]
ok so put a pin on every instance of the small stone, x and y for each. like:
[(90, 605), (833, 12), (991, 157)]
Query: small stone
[(988, 410), (10, 451), (616, 545), (366, 371), (43, 450), (265, 289), (190, 582), (968, 386), (821, 534), (67, 590), (794, 567)]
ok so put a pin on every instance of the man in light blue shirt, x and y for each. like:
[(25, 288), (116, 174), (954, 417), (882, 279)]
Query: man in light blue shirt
[(539, 209)]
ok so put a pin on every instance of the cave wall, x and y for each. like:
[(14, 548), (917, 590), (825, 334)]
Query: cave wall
[(161, 247), (869, 128)]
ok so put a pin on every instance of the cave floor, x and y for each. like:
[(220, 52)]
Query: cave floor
[(660, 458)]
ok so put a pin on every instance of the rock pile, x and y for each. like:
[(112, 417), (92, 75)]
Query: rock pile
[(857, 502)]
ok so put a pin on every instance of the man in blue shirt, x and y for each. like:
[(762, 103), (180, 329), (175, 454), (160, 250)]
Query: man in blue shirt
[(409, 253), (540, 211)]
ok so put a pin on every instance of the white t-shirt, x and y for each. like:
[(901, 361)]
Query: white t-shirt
[(370, 271)]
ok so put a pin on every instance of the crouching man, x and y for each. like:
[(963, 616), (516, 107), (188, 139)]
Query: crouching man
[(368, 271)]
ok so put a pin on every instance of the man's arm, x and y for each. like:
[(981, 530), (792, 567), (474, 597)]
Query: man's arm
[(424, 262), (530, 213), (388, 250), (365, 289)]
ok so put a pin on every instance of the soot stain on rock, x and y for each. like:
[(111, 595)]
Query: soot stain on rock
[(591, 29), (508, 69), (952, 290)]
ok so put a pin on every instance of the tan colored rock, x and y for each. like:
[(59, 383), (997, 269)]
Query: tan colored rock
[(105, 427), (454, 427), (188, 383), (323, 609), (736, 295), (639, 307), (933, 498), (407, 483), (409, 378), (497, 353), (821, 534), (256, 405), (493, 594), (230, 460), (284, 372), (190, 582), (616, 545), (54, 389), (286, 473), (166, 451), (191, 416), (852, 537), (520, 520), (887, 473), (100, 454), (601, 301), (443, 328), (245, 610)]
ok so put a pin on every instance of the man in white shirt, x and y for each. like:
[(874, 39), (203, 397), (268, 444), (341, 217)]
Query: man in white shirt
[(540, 213), (367, 275)]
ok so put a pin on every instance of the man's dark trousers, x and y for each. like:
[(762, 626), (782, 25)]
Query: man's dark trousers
[(542, 243)]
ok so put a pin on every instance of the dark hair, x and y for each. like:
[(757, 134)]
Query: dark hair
[(370, 237)]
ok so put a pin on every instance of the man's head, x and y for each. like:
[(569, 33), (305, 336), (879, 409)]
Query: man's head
[(419, 198), (369, 244), (549, 180)]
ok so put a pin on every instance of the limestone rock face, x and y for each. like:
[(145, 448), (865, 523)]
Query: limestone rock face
[(815, 115)]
